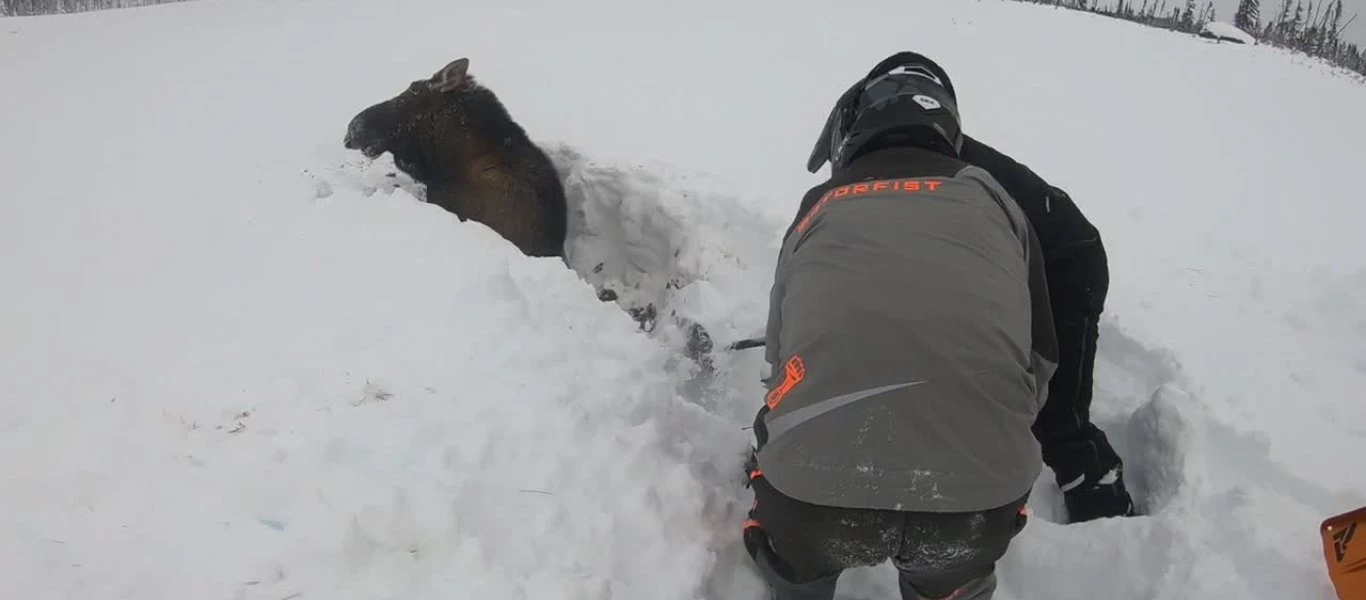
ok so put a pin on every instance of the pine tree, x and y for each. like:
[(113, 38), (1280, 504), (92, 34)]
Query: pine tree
[(1334, 28), (1249, 16), (1313, 35), (1280, 32), (1207, 16)]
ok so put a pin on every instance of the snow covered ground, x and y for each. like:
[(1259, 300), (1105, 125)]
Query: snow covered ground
[(241, 363)]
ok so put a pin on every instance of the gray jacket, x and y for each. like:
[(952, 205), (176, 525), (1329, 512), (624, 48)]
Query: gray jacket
[(911, 342)]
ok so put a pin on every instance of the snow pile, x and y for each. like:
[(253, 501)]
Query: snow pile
[(242, 362), (669, 239), (337, 402), (1227, 32)]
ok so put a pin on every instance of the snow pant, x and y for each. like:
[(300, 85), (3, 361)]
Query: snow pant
[(1072, 445), (801, 549)]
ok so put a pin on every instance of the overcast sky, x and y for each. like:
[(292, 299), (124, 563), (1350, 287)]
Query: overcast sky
[(1356, 32)]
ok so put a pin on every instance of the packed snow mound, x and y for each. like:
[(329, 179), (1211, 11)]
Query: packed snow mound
[(348, 406), (666, 244), (242, 363), (669, 240), (1227, 32)]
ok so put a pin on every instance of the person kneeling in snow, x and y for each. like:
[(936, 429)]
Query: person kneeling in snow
[(912, 342), (1085, 465)]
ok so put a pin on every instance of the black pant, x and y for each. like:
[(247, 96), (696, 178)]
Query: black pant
[(1072, 445), (803, 548)]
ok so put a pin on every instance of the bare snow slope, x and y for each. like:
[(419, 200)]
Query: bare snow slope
[(240, 364)]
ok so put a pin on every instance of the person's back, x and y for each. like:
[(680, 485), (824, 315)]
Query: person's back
[(907, 299), (912, 343)]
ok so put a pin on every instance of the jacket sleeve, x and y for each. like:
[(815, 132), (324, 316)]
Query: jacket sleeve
[(772, 348), (772, 352), (1045, 355)]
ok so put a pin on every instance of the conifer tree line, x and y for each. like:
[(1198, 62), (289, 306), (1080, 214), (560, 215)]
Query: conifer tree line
[(1176, 15), (28, 8), (1313, 27)]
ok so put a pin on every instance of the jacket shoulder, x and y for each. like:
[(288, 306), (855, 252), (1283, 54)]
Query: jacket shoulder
[(1019, 218), (883, 164)]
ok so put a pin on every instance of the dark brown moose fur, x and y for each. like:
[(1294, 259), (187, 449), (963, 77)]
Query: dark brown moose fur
[(454, 135)]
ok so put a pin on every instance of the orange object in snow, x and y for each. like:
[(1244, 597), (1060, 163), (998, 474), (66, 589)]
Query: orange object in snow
[(1344, 547)]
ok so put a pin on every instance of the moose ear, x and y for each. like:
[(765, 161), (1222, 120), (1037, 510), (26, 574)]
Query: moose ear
[(450, 76)]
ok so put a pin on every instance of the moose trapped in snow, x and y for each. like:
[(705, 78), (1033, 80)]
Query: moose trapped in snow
[(453, 135)]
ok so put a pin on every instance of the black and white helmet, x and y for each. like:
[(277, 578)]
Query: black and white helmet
[(906, 100)]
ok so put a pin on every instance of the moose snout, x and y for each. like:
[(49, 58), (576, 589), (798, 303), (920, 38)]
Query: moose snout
[(360, 131), (351, 140)]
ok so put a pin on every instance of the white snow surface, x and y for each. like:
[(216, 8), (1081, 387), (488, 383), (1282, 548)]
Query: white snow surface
[(241, 362)]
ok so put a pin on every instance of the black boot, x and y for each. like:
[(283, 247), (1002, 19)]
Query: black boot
[(1088, 470), (1101, 498)]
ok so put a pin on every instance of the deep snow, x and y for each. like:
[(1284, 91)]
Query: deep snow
[(241, 363)]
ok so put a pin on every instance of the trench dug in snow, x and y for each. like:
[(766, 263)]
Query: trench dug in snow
[(662, 238)]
